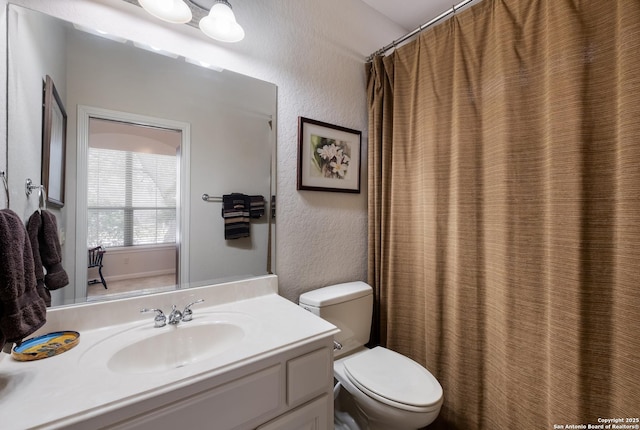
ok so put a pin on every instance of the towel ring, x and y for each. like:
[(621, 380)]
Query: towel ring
[(42, 198), (6, 185)]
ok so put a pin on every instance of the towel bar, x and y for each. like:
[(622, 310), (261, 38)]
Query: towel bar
[(29, 186), (208, 198)]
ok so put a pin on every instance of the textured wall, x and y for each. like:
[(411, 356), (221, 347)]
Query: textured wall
[(314, 51)]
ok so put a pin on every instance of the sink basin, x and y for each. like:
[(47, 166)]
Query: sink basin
[(175, 346), (141, 348)]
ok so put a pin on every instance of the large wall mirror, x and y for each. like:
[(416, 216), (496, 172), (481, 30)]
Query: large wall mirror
[(148, 134)]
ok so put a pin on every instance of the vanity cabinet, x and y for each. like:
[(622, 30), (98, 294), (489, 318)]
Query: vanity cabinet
[(291, 390), (277, 375), (312, 416)]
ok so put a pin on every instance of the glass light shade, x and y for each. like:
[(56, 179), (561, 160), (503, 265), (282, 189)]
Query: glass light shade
[(175, 11), (221, 24)]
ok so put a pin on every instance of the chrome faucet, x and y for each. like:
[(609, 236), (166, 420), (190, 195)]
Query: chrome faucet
[(187, 313), (160, 320), (175, 316)]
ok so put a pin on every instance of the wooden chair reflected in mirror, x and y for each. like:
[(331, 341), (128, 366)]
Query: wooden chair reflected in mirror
[(95, 260)]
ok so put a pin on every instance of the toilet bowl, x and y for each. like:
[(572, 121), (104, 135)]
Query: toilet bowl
[(389, 391)]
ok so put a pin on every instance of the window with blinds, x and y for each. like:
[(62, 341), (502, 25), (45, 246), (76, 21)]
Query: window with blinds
[(132, 198)]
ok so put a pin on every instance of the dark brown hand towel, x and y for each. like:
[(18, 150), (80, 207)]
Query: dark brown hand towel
[(51, 253), (22, 310), (33, 229)]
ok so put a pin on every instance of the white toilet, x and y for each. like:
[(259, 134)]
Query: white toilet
[(390, 390)]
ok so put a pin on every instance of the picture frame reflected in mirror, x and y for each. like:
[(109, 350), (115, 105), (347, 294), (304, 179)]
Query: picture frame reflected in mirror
[(54, 137)]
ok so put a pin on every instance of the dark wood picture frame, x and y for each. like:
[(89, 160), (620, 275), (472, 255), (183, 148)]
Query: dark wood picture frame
[(54, 142), (329, 157)]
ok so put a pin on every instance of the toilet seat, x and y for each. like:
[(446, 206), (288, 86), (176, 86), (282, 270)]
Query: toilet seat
[(394, 379)]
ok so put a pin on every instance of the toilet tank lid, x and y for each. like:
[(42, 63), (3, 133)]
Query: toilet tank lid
[(334, 294)]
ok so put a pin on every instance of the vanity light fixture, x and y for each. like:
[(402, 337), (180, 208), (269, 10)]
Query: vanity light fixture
[(175, 11), (221, 22)]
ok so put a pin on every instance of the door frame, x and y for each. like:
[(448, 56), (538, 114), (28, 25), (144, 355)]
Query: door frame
[(85, 113)]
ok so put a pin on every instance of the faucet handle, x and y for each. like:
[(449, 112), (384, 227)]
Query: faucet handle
[(175, 316), (160, 320), (187, 314)]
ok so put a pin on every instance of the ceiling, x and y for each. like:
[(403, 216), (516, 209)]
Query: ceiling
[(410, 14)]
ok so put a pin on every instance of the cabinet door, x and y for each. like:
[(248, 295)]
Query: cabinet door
[(228, 406), (311, 416), (309, 376)]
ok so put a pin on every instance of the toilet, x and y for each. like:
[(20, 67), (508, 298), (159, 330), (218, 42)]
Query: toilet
[(390, 391)]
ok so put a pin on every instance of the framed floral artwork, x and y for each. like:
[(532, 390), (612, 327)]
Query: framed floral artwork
[(328, 157)]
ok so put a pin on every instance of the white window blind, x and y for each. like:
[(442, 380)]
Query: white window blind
[(132, 198)]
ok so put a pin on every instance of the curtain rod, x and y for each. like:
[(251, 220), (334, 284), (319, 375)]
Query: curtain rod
[(424, 26)]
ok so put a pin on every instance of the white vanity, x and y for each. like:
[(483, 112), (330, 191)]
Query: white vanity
[(249, 359)]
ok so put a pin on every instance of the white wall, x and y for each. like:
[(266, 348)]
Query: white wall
[(38, 40), (136, 262), (314, 51)]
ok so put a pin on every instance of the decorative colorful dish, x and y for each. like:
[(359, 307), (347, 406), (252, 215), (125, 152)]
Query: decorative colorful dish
[(46, 345)]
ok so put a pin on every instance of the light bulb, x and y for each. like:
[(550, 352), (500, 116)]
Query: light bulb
[(221, 24), (174, 11)]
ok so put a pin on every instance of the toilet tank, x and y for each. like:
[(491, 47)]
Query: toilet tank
[(349, 307)]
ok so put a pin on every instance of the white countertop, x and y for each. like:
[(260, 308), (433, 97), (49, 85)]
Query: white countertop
[(75, 385)]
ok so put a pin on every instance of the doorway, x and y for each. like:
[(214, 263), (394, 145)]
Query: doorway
[(131, 202)]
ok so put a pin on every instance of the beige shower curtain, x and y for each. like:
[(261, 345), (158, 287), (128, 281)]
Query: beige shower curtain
[(504, 211)]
